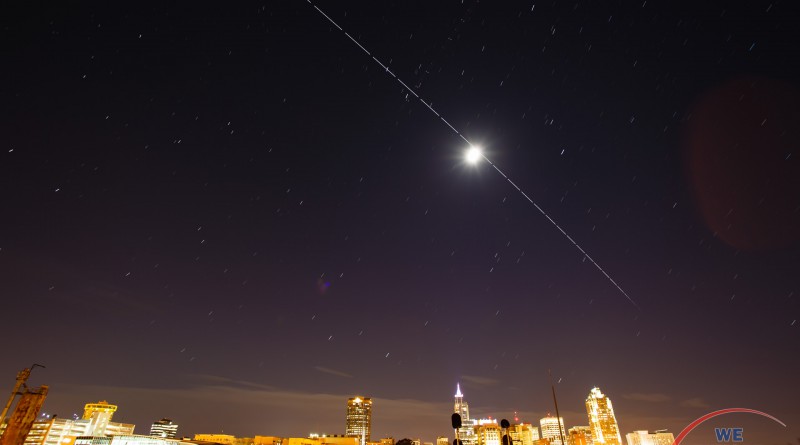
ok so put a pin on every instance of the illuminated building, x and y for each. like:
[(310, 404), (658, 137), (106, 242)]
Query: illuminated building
[(601, 419), (101, 407), (58, 431), (124, 439), (359, 418), (580, 435), (164, 428), (225, 439), (389, 441), (466, 434), (441, 440), (300, 441), (92, 440), (272, 440), (99, 415), (552, 429), (488, 432), (523, 433), (38, 432), (312, 439), (119, 429), (337, 439), (659, 437)]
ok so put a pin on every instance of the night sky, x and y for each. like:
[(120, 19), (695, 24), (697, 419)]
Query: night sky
[(229, 215)]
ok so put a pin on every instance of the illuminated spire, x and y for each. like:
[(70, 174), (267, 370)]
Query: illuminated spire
[(458, 390)]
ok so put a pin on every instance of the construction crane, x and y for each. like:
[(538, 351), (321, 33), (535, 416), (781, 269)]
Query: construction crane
[(28, 406), (22, 377)]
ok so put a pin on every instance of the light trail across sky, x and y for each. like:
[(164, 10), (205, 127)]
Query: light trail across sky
[(472, 152)]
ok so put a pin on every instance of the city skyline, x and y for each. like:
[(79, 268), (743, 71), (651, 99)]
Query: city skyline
[(238, 215), (97, 418)]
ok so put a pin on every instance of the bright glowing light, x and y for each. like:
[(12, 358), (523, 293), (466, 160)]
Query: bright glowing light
[(474, 155)]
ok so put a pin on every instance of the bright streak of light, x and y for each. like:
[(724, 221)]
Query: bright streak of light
[(474, 154)]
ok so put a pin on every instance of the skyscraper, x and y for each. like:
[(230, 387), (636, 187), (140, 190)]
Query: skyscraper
[(488, 433), (552, 429), (466, 434), (96, 423), (524, 433), (605, 430), (359, 418), (164, 428), (99, 415)]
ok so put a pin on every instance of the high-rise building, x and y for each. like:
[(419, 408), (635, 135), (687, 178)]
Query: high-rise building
[(605, 430), (488, 432), (523, 433), (552, 429), (658, 437), (466, 434), (101, 407), (580, 435), (59, 431), (99, 415), (96, 423), (359, 418), (164, 428)]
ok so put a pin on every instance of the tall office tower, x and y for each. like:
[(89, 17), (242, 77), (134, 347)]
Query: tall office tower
[(359, 418), (99, 415), (658, 437), (488, 433), (524, 433), (466, 434), (580, 435), (164, 428), (605, 430), (461, 407), (550, 429)]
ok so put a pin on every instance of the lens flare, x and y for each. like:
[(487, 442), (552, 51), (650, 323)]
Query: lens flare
[(474, 155)]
